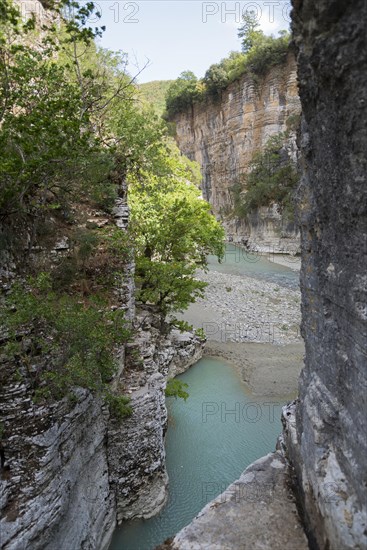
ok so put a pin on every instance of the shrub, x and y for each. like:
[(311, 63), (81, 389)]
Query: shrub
[(175, 388), (267, 52), (119, 405), (272, 178), (200, 333), (71, 342), (183, 326)]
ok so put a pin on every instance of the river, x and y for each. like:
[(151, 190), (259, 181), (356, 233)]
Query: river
[(239, 261), (218, 431)]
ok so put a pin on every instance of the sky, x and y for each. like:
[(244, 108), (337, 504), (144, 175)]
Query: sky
[(174, 36)]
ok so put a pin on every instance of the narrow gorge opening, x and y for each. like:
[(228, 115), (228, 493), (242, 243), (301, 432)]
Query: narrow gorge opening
[(183, 275), (211, 438), (223, 427)]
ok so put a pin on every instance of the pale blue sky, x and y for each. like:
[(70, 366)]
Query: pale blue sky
[(183, 34)]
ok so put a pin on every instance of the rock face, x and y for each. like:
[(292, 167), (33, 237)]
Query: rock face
[(324, 437), (53, 458), (222, 137), (136, 452), (126, 290), (55, 481), (327, 430), (69, 470), (257, 511)]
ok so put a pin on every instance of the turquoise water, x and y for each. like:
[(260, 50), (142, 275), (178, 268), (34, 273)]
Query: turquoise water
[(218, 432), (211, 439), (238, 261)]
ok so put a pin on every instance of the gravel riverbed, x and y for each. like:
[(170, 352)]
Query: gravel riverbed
[(254, 324)]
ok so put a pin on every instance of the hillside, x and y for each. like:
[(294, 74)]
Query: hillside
[(155, 93)]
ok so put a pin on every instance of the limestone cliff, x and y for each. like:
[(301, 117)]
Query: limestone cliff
[(72, 471), (136, 453), (54, 475), (223, 135), (68, 468), (327, 440)]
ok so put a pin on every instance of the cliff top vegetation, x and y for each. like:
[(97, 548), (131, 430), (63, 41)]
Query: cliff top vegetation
[(259, 52)]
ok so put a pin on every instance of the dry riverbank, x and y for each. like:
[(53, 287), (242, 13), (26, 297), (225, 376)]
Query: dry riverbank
[(268, 370), (255, 325), (293, 262)]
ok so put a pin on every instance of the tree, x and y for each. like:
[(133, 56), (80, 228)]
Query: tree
[(216, 79), (182, 92), (54, 156), (176, 388), (47, 135), (249, 31), (71, 133), (174, 232)]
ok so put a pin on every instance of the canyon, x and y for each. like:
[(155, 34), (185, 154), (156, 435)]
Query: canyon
[(323, 439), (73, 460), (224, 133), (67, 461)]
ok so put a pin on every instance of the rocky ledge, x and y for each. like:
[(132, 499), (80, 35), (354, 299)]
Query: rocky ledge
[(249, 513)]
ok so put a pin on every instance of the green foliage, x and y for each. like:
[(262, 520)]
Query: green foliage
[(272, 178), (95, 261), (216, 79), (41, 141), (117, 243), (175, 388), (59, 93), (67, 273), (182, 93), (171, 286), (119, 405), (183, 326), (249, 31), (172, 227), (76, 337), (200, 333), (71, 135), (155, 93), (50, 153), (259, 53), (267, 52), (86, 242), (174, 232)]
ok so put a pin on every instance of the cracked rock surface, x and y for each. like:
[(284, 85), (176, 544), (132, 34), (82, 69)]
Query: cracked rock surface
[(256, 512)]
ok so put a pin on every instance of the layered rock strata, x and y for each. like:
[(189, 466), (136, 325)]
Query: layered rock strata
[(49, 496), (69, 470), (223, 135), (136, 453)]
